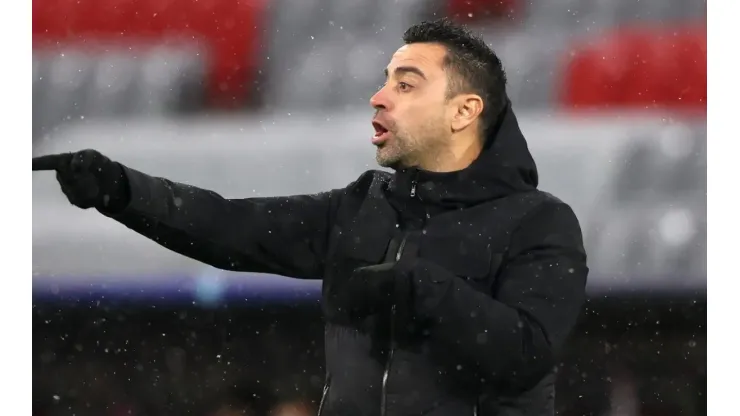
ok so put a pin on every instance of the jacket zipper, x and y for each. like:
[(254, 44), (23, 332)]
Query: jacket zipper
[(392, 347), (323, 395)]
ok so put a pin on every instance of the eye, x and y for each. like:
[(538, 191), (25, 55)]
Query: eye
[(402, 86)]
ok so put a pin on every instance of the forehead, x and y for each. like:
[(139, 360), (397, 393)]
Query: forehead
[(429, 57)]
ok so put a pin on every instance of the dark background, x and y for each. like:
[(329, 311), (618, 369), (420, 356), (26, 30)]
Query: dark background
[(100, 357)]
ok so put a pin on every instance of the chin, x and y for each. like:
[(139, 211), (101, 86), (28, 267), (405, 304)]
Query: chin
[(386, 163), (392, 164), (388, 157)]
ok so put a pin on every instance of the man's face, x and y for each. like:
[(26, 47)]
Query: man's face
[(412, 121)]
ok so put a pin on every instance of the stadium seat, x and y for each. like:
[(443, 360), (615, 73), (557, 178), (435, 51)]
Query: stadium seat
[(80, 85), (692, 63), (683, 150), (593, 78), (64, 91), (111, 87), (342, 53), (230, 31), (644, 68), (169, 80), (652, 240)]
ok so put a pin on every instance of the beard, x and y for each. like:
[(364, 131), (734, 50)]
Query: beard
[(405, 149), (395, 153)]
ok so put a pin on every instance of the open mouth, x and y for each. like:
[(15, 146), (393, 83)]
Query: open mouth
[(381, 133)]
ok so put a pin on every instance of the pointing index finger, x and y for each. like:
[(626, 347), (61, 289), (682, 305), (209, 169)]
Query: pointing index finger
[(51, 162)]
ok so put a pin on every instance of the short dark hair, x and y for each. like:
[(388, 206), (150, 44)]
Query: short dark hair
[(475, 68)]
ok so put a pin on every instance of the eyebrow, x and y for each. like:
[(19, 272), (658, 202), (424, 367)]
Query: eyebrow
[(404, 70)]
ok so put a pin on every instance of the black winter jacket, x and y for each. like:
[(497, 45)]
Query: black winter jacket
[(497, 274)]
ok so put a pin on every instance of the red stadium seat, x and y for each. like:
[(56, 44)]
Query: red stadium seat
[(639, 68), (230, 30), (692, 61), (598, 74), (647, 73)]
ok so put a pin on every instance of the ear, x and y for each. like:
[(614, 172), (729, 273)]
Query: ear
[(467, 108)]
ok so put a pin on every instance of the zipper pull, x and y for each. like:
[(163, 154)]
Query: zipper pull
[(413, 189)]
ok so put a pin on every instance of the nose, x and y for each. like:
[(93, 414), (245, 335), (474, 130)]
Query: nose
[(379, 100)]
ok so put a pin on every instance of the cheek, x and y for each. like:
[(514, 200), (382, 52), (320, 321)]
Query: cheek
[(425, 112), (420, 114)]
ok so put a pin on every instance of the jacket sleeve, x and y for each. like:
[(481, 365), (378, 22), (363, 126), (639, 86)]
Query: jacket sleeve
[(278, 235), (512, 335)]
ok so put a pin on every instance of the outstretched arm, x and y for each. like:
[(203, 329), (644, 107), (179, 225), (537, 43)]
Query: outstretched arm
[(279, 235)]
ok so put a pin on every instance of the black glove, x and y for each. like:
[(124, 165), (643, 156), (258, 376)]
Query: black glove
[(374, 290), (88, 179)]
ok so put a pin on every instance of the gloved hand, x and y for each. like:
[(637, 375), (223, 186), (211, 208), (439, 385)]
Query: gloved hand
[(88, 179), (375, 289)]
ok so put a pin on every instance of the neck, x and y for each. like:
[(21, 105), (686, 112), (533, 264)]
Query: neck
[(461, 153)]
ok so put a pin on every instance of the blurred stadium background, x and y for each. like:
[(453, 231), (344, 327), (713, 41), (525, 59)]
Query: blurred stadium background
[(269, 97)]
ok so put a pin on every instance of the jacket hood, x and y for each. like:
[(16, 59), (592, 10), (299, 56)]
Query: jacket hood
[(504, 167)]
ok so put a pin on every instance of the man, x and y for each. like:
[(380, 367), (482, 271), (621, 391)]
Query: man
[(448, 286)]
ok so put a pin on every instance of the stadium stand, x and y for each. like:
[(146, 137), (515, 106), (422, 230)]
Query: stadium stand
[(227, 35), (642, 67)]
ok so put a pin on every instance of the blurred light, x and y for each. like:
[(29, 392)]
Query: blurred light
[(210, 287), (677, 227)]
